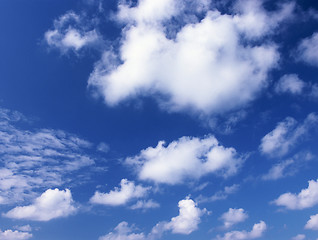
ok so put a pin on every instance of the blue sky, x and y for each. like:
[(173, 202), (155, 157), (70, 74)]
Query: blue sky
[(158, 119)]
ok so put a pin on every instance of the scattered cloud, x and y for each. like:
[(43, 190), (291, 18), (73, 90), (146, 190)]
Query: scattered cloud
[(70, 32), (307, 198), (141, 204), (53, 203), (36, 159), (308, 50), (24, 228), (123, 232), (299, 237), (220, 195), (286, 135), (103, 147), (210, 65), (188, 157), (257, 232), (120, 196), (290, 83), (233, 216), (312, 223), (14, 235)]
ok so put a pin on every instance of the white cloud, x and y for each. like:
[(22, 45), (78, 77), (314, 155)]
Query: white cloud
[(24, 228), (233, 216), (308, 50), (220, 195), (290, 83), (103, 147), (120, 196), (71, 33), (257, 232), (145, 204), (34, 159), (201, 65), (188, 157), (14, 235), (123, 232), (299, 237), (53, 203), (305, 199), (312, 223), (188, 219), (286, 135)]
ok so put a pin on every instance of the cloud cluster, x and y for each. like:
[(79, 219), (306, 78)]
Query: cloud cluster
[(286, 135), (34, 159), (233, 216), (210, 64), (14, 235), (307, 198), (53, 203), (70, 33), (188, 157), (257, 232), (120, 196)]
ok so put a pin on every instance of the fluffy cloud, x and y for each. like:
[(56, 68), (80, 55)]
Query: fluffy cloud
[(308, 50), (120, 196), (290, 83), (299, 237), (71, 33), (312, 223), (233, 216), (210, 65), (123, 232), (53, 203), (33, 159), (305, 199), (188, 157), (256, 232), (14, 235), (286, 135)]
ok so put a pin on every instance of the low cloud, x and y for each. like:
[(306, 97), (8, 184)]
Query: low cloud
[(233, 216), (312, 223), (53, 203), (187, 157), (290, 83), (307, 198), (14, 235), (120, 196), (308, 50)]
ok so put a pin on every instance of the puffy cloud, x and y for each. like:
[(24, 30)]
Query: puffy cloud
[(312, 223), (299, 237), (233, 216), (286, 134), (71, 33), (256, 232), (188, 219), (290, 83), (188, 157), (145, 205), (308, 50), (123, 232), (220, 195), (14, 235), (34, 159), (120, 196), (53, 203), (305, 199), (210, 65)]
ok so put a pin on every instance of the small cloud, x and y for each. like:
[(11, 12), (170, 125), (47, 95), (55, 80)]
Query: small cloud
[(233, 216), (53, 203), (290, 83), (220, 195), (145, 205), (14, 235), (299, 237), (307, 50), (103, 147), (312, 223)]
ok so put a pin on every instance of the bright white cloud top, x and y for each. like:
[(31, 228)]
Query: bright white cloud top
[(312, 223), (233, 216), (188, 157), (53, 203), (120, 196), (203, 66), (14, 235), (307, 198)]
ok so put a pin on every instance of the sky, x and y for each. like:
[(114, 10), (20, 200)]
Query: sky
[(158, 119)]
